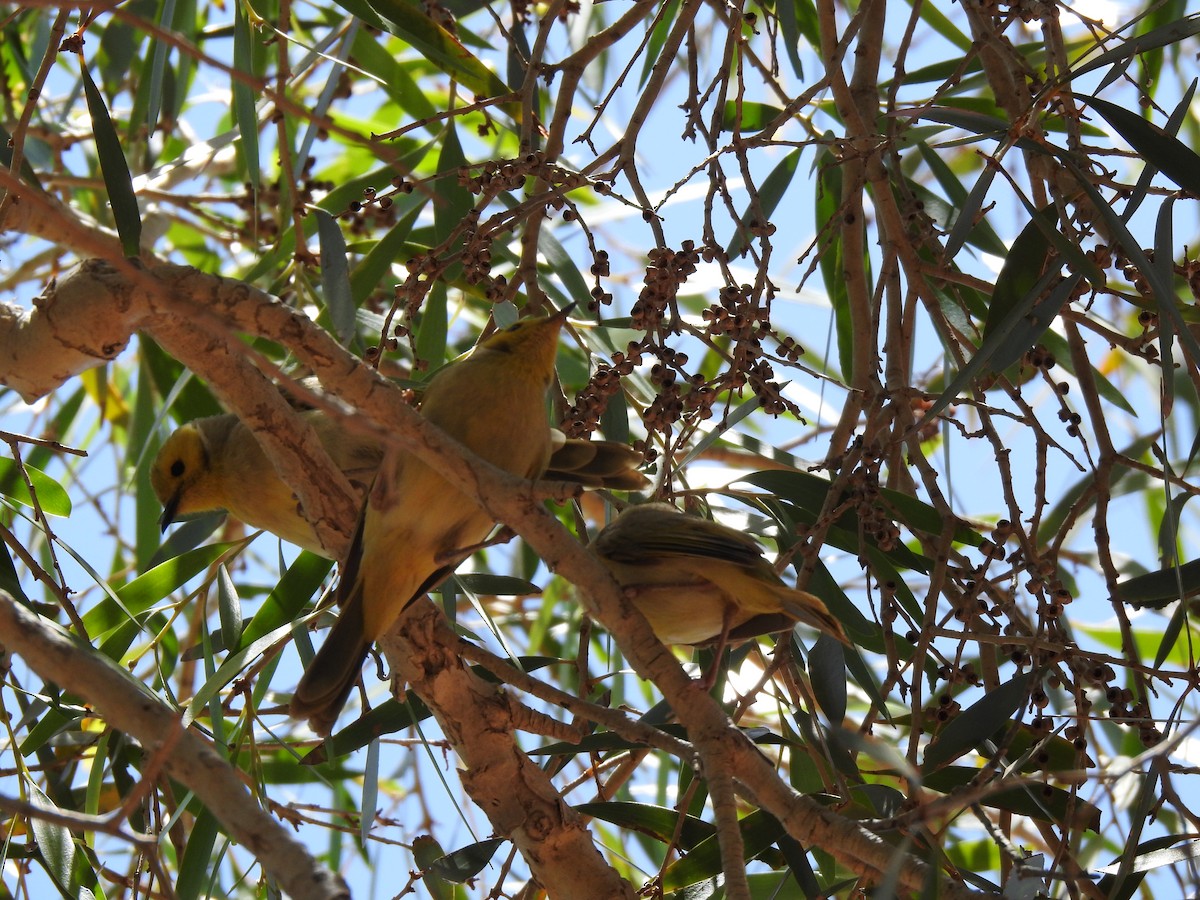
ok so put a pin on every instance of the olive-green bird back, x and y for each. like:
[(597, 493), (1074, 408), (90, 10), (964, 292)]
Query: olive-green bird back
[(698, 581)]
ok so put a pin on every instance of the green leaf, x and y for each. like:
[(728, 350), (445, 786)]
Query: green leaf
[(827, 671), (284, 604), (393, 76), (426, 853), (1043, 802), (229, 606), (748, 116), (488, 584), (434, 327), (462, 865), (158, 66), (137, 596), (1160, 286), (659, 822), (829, 235), (232, 667), (390, 716), (409, 21), (386, 718), (1022, 278), (967, 204), (52, 497), (935, 19), (976, 123), (563, 264), (1158, 589), (370, 794), (760, 831), (1022, 308), (978, 722), (117, 180), (789, 31), (453, 200), (810, 492), (1173, 33), (377, 263), (664, 19), (54, 841), (197, 862), (335, 277), (1135, 862), (1165, 152), (244, 110)]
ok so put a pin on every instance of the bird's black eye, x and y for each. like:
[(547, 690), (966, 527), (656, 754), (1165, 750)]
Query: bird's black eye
[(177, 468)]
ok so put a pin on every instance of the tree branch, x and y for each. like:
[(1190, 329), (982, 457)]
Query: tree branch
[(128, 706)]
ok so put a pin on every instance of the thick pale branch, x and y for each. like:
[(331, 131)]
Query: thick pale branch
[(71, 328), (127, 706)]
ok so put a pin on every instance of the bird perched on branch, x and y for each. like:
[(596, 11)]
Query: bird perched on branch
[(415, 526), (216, 463), (699, 582)]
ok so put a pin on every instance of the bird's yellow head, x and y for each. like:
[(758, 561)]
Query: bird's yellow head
[(182, 476), (535, 339)]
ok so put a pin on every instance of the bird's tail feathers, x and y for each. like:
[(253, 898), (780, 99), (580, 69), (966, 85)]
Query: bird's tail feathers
[(327, 682), (809, 609)]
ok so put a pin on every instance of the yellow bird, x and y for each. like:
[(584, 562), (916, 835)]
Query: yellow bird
[(699, 582), (216, 463), (416, 528)]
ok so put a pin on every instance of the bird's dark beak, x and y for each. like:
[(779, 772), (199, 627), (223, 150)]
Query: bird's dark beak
[(170, 508), (564, 312)]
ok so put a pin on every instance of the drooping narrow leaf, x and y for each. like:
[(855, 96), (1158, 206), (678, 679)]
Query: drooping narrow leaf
[(158, 66), (1025, 264), (243, 96), (830, 249), (115, 169), (335, 277), (198, 856), (54, 841), (434, 327), (459, 866), (968, 204), (229, 605), (368, 274), (149, 588), (370, 794)]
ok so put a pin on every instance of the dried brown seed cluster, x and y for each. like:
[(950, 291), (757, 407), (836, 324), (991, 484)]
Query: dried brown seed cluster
[(862, 490), (668, 271), (584, 416)]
